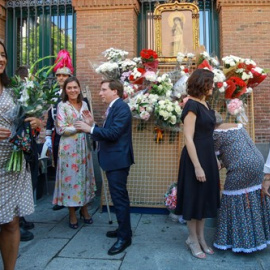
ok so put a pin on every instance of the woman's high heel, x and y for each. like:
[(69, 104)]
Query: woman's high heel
[(206, 249), (73, 226), (193, 246), (86, 220)]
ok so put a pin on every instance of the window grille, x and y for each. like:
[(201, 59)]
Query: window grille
[(38, 28)]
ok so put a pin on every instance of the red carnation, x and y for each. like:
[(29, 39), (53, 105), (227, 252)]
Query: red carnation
[(236, 88), (219, 84)]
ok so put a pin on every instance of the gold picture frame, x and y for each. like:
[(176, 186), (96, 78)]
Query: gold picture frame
[(176, 29)]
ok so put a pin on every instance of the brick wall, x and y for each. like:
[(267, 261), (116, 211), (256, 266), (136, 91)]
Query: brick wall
[(244, 31), (2, 20), (101, 25)]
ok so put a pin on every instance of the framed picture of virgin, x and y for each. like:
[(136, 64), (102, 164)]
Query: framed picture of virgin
[(176, 29)]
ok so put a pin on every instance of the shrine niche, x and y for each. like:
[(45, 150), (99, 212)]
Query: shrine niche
[(176, 29)]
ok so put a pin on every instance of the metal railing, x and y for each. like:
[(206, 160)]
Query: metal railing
[(38, 28)]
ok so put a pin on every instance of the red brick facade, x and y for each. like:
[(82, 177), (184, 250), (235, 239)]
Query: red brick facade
[(2, 20), (100, 25), (244, 31)]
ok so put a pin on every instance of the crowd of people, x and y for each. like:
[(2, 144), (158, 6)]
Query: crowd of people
[(242, 212)]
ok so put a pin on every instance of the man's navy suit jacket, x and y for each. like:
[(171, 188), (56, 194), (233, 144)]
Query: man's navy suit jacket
[(115, 138)]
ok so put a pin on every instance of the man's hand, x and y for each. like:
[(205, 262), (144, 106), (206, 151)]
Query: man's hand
[(4, 133), (34, 122), (82, 126), (88, 117)]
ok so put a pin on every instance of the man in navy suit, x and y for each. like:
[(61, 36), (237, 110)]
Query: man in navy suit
[(115, 155)]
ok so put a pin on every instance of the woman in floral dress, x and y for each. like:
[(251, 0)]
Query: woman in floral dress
[(244, 215), (75, 182)]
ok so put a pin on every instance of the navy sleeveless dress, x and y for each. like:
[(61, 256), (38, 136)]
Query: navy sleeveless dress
[(199, 200)]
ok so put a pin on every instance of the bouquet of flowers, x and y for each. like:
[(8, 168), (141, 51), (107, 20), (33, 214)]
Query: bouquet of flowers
[(149, 59), (168, 113), (170, 203), (180, 87), (137, 76), (109, 70), (142, 105), (204, 57), (236, 88), (162, 86), (115, 55), (236, 107), (242, 74), (258, 74), (171, 197), (32, 97)]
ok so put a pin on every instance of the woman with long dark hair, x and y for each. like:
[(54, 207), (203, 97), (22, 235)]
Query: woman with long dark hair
[(16, 196)]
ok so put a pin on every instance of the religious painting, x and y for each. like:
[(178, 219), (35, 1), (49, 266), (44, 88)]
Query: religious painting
[(176, 29)]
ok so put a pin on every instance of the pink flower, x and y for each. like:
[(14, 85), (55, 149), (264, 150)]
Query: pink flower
[(74, 167), (235, 106), (67, 179), (66, 147)]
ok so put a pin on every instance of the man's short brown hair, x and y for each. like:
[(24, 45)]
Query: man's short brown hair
[(115, 85)]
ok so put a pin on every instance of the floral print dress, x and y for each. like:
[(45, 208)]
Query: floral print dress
[(75, 181)]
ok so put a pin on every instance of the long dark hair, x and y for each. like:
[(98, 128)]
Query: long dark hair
[(64, 94), (4, 77)]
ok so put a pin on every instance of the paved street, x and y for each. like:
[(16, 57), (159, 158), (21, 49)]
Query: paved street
[(158, 243)]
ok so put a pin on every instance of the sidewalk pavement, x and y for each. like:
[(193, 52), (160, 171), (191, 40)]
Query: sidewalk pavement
[(158, 243)]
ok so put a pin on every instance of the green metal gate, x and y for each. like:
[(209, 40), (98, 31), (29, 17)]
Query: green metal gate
[(38, 28)]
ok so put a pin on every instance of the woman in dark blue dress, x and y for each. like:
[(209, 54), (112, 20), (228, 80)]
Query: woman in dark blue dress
[(198, 180)]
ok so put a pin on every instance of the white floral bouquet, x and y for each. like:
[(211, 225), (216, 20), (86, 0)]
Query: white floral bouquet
[(219, 80), (115, 55), (129, 89), (180, 87), (110, 70), (127, 65), (204, 56), (168, 113), (33, 97), (142, 105), (162, 86), (181, 57)]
